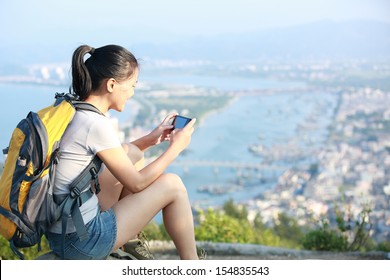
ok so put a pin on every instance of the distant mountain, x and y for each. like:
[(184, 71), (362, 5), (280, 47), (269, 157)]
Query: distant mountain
[(324, 39), (317, 40)]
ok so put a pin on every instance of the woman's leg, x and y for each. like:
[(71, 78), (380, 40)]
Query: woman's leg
[(168, 193), (111, 190)]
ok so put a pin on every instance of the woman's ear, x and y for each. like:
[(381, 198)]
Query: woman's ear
[(110, 84)]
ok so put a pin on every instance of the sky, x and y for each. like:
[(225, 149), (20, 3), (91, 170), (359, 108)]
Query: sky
[(159, 21)]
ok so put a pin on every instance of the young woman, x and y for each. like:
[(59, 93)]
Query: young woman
[(130, 195)]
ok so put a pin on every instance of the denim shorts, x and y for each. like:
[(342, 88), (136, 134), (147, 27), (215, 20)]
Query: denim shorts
[(101, 239)]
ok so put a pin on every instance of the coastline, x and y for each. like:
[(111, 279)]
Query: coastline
[(215, 111)]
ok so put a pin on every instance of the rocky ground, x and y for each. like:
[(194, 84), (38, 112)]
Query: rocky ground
[(164, 250), (227, 251)]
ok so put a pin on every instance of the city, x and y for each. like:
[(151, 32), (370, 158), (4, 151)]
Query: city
[(352, 169)]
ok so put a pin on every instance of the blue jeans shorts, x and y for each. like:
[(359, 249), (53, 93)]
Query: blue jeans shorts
[(101, 239)]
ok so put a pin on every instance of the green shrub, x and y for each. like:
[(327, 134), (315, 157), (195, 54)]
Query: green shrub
[(233, 210), (267, 237), (152, 231), (290, 233), (350, 233), (384, 246), (325, 239), (219, 227), (29, 253), (264, 235)]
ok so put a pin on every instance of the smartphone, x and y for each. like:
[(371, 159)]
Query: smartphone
[(180, 121)]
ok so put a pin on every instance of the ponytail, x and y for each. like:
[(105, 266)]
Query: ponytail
[(81, 79), (107, 62)]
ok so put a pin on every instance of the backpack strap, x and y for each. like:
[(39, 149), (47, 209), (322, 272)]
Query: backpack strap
[(79, 193), (81, 105), (19, 223), (74, 100)]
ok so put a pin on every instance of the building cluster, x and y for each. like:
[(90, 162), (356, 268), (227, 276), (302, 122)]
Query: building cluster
[(352, 171), (325, 70)]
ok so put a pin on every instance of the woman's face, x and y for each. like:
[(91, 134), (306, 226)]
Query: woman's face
[(123, 91)]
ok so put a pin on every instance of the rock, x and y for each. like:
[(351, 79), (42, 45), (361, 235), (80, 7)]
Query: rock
[(220, 251), (165, 250)]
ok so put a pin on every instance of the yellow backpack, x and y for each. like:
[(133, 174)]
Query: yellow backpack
[(27, 205)]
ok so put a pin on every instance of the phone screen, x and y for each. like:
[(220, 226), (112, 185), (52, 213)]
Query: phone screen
[(180, 121)]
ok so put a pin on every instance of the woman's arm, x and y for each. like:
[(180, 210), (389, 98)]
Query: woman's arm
[(122, 168), (143, 143)]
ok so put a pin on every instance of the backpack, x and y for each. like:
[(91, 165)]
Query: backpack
[(27, 204)]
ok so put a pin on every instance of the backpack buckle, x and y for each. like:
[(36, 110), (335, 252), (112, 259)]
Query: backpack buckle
[(95, 178), (94, 173), (74, 193)]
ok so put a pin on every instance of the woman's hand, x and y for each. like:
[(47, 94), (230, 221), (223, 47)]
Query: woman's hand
[(181, 138), (162, 132)]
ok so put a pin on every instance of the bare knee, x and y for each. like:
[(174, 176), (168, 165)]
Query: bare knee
[(172, 184)]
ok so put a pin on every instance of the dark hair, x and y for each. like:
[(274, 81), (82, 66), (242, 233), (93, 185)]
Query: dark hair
[(106, 62)]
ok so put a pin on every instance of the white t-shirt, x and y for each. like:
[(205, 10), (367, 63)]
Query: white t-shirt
[(87, 134)]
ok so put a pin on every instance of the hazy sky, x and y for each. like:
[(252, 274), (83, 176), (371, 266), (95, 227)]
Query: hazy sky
[(167, 20)]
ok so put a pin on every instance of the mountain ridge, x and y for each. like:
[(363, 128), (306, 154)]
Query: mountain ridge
[(318, 40), (356, 39)]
